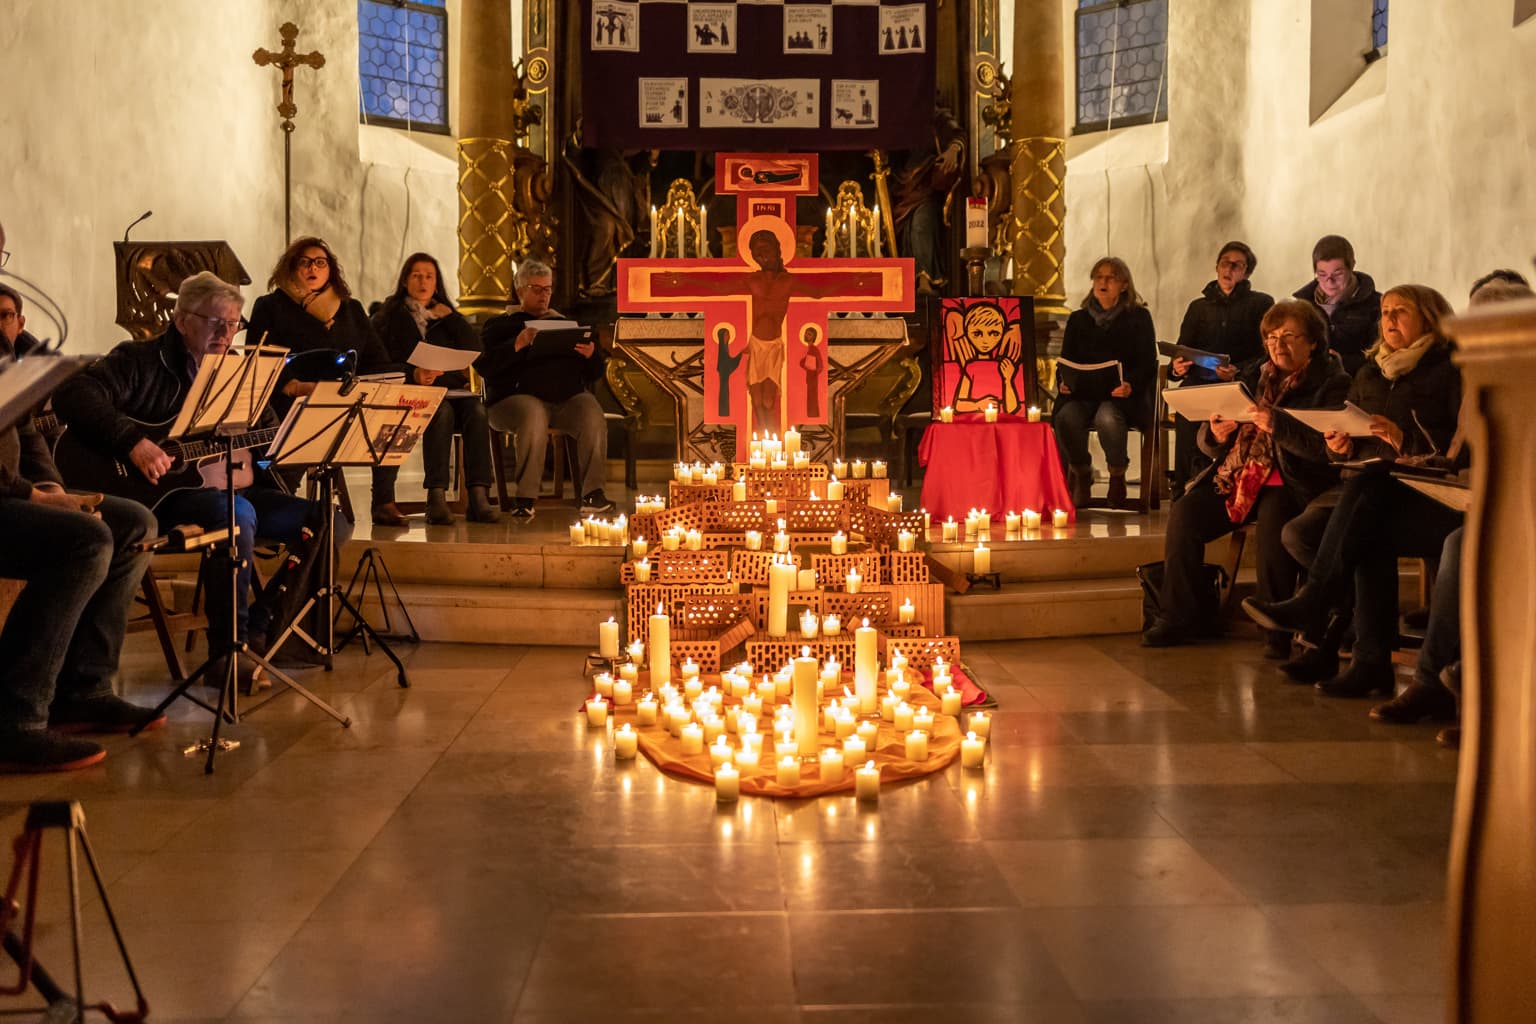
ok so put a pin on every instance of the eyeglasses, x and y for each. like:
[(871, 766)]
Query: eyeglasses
[(1232, 265), (7, 315), (222, 326), (1285, 337), (318, 262), (539, 289)]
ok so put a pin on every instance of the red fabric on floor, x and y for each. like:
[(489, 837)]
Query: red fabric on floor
[(1007, 466)]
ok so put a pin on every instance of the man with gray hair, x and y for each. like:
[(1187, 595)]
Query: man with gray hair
[(112, 406), (529, 391)]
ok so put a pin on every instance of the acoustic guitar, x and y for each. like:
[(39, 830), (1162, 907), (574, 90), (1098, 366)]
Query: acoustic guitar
[(199, 464)]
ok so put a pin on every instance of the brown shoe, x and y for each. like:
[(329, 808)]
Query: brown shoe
[(1080, 480), (1117, 486), (1418, 701), (1449, 737), (388, 514)]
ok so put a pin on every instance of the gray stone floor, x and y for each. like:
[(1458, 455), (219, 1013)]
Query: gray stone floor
[(1157, 836)]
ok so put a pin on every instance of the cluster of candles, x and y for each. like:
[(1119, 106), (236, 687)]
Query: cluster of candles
[(978, 525), (650, 503), (698, 718), (774, 452), (947, 414), (853, 233), (698, 473), (858, 469), (592, 530)]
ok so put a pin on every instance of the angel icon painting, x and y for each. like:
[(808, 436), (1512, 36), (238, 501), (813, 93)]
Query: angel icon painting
[(980, 357)]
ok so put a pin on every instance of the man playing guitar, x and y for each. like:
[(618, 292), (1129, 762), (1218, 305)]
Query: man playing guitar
[(108, 406)]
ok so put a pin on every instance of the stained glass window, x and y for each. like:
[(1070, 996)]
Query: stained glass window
[(402, 63), (1122, 62), (1379, 24)]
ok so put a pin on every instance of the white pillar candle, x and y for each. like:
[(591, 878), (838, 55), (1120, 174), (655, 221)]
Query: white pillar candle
[(749, 757), (661, 647), (791, 441), (727, 783), (866, 782), (788, 771), (984, 523), (693, 738), (834, 490), (739, 489), (629, 673), (981, 724), (906, 541), (991, 413), (770, 505), (981, 559), (655, 235), (951, 530), (971, 526), (1034, 414), (874, 231), (888, 705), (868, 731), (922, 719), (947, 414), (893, 502), (949, 702), (877, 469), (805, 678), (844, 724), (906, 613), (623, 692), (645, 710), (603, 684), (597, 712), (830, 248), (839, 543), (839, 469), (781, 543), (781, 577), (625, 743), (695, 540), (1059, 518), (854, 751), (578, 533), (927, 526), (853, 234), (832, 625), (865, 665), (917, 745), (809, 624), (806, 580), (639, 547), (860, 469), (754, 540), (1012, 522), (1031, 519), (901, 717), (643, 571), (672, 540), (608, 638), (831, 765), (720, 752), (973, 750), (854, 581), (711, 478)]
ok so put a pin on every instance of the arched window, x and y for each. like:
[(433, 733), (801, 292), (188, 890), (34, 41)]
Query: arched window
[(1379, 24), (1122, 63), (402, 63)]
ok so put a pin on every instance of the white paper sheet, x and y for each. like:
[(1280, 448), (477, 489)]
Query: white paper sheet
[(1351, 420), (1230, 401)]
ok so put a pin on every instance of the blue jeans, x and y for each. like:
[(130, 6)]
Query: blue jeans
[(64, 635), (259, 512), (1442, 638), (1072, 421)]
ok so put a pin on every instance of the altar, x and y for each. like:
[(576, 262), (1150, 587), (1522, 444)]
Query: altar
[(671, 352)]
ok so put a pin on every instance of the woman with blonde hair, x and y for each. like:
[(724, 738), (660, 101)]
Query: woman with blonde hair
[(1112, 325)]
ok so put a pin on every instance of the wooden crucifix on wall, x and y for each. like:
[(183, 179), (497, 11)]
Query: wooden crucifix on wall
[(286, 60)]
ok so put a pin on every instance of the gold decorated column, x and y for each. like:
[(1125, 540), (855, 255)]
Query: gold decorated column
[(1038, 164)]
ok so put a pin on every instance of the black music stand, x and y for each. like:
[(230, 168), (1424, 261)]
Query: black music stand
[(322, 437), (224, 401)]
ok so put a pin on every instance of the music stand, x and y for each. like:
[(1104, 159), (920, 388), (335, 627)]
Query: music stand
[(322, 437), (226, 398)]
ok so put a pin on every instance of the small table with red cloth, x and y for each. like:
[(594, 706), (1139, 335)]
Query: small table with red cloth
[(1007, 466)]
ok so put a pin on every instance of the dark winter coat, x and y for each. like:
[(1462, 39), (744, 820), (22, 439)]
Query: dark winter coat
[(508, 372), (1130, 338), (1229, 324), (1355, 323), (1425, 401), (397, 331)]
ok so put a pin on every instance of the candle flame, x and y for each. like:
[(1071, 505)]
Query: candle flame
[(971, 736), (869, 766)]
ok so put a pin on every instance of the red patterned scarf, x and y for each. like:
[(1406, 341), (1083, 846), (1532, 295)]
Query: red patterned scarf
[(1251, 458)]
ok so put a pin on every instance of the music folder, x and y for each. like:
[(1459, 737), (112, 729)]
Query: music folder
[(1200, 357), (1090, 380), (1230, 401), (395, 416), (26, 383)]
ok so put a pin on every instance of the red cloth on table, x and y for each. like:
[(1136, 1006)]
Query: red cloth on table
[(1007, 466)]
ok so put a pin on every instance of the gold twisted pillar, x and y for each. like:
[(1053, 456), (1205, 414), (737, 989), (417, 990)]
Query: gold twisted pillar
[(1037, 155)]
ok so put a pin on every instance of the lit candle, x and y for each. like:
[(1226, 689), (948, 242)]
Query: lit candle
[(839, 469), (809, 624), (791, 441), (1031, 519), (623, 692), (844, 724), (645, 710), (900, 688), (888, 705), (832, 626), (752, 703), (766, 691), (739, 489), (603, 684), (1034, 414), (973, 749), (661, 647), (680, 224), (853, 234), (906, 541), (629, 673), (1059, 519), (866, 782), (901, 717), (638, 547), (781, 543), (749, 757), (831, 765), (839, 543), (830, 250), (868, 731), (655, 235), (727, 783), (859, 469), (789, 771), (949, 702), (711, 478), (757, 460), (806, 580), (991, 413), (854, 751), (906, 613), (877, 469), (805, 679), (951, 530), (693, 738), (783, 683), (781, 576), (719, 752), (695, 540), (1012, 522), (834, 490), (865, 665), (981, 559), (803, 461), (692, 687), (643, 571), (981, 724), (947, 414), (625, 742), (597, 712), (922, 719), (754, 540), (984, 524), (703, 231), (917, 745), (608, 638), (672, 540), (770, 505), (854, 581), (578, 533)]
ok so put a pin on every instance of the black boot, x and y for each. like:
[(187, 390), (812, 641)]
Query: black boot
[(437, 507), (1361, 679), (1294, 615), (1418, 701), (1080, 480), (1117, 486), (480, 508), (1320, 659), (1277, 645)]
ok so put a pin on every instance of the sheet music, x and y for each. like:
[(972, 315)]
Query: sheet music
[(308, 433), (420, 400), (229, 390), (1230, 401), (441, 358), (1351, 420)]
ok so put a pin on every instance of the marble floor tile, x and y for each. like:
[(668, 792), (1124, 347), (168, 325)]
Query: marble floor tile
[(1361, 762), (1274, 1010), (1109, 873), (890, 875), (1344, 867), (1163, 764), (1373, 949)]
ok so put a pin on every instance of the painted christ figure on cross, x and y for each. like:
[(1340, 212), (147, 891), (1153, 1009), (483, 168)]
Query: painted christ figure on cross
[(769, 302)]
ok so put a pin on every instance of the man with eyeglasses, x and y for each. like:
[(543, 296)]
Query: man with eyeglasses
[(1347, 298), (145, 382), (529, 391), (80, 558)]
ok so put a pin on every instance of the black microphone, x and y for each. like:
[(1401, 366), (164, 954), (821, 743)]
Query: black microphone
[(142, 217)]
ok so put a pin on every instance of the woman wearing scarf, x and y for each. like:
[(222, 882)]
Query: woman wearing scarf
[(1112, 325), (1263, 472), (1412, 390), (419, 311), (310, 308)]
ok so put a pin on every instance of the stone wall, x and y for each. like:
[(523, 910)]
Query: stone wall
[(111, 108)]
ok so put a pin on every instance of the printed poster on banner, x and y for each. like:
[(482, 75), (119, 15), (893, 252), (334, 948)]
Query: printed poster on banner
[(759, 103), (902, 29), (663, 102), (855, 104), (711, 28), (615, 26), (807, 30)]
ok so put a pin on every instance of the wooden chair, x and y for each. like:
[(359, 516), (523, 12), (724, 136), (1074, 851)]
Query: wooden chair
[(459, 503), (165, 622)]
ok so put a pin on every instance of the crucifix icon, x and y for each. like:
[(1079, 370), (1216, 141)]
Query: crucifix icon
[(286, 60)]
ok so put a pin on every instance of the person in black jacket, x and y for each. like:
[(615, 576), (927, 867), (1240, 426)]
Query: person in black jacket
[(310, 308), (1413, 389), (419, 311), (1112, 325), (1225, 320), (528, 392), (1263, 472), (1347, 299)]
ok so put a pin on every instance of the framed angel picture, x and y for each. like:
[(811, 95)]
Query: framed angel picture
[(979, 354)]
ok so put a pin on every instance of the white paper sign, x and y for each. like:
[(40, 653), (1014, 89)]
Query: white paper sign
[(807, 29), (855, 104), (711, 28), (663, 102), (615, 26), (903, 30), (759, 103)]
